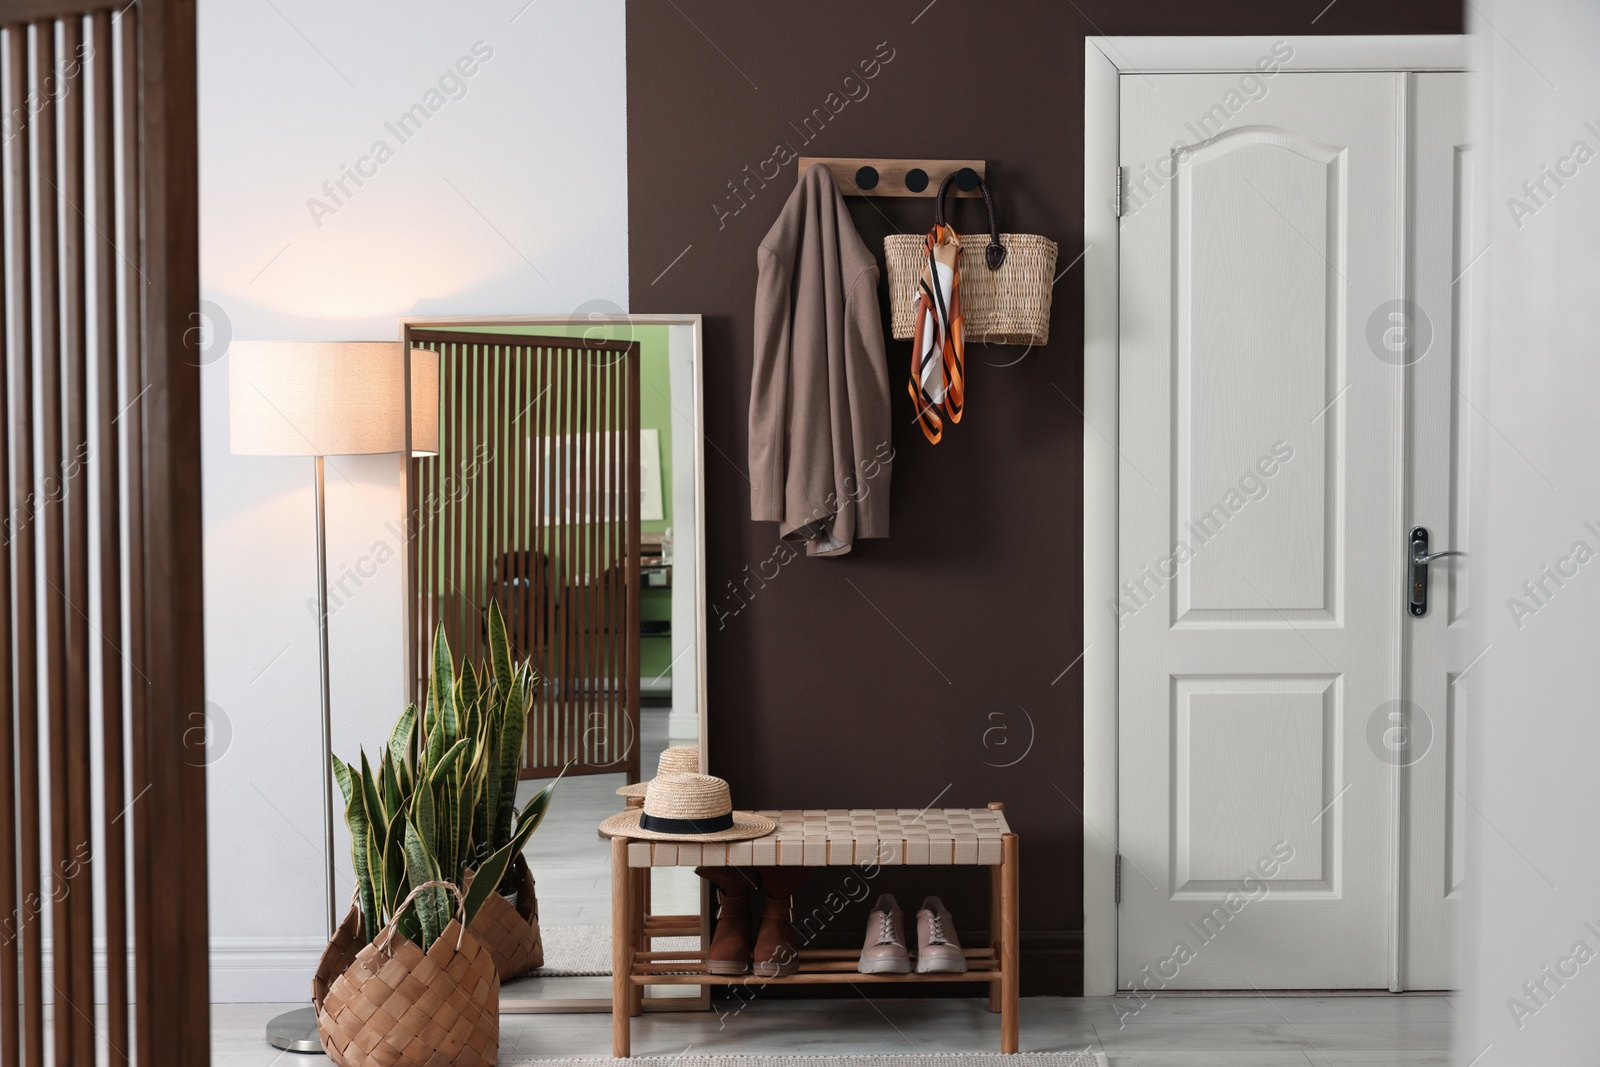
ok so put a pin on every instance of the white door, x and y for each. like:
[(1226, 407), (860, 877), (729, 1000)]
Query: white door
[(1263, 509)]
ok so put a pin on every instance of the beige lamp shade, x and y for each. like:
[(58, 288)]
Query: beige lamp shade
[(424, 402), (329, 398)]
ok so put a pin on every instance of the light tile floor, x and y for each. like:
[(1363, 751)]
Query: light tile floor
[(1190, 1031), (570, 861)]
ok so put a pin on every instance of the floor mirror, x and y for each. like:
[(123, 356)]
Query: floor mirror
[(567, 491)]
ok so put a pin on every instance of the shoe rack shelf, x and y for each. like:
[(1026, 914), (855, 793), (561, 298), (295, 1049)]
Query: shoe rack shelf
[(819, 838), (816, 966)]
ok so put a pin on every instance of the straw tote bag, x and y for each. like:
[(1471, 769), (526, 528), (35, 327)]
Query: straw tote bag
[(1006, 280), (511, 929), (389, 1004)]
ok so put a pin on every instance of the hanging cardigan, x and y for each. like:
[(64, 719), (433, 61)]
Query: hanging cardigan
[(820, 451)]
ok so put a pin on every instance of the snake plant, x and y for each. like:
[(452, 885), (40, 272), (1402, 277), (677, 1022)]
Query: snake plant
[(442, 805)]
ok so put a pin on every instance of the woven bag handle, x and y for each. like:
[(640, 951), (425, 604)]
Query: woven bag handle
[(995, 254), (461, 902)]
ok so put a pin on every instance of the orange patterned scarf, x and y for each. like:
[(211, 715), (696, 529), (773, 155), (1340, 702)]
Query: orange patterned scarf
[(938, 380)]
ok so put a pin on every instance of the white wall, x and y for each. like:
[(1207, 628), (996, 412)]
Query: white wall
[(511, 197), (1533, 788)]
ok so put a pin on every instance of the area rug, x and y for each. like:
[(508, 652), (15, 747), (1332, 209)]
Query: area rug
[(927, 1059), (585, 951)]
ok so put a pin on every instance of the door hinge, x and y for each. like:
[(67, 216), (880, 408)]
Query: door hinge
[(1119, 878), (1119, 192)]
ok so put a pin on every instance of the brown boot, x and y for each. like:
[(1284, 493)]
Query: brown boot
[(777, 952), (730, 942)]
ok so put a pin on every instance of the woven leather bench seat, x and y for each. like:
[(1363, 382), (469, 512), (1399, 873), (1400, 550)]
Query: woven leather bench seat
[(845, 837)]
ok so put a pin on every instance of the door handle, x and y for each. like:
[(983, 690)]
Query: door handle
[(1417, 569)]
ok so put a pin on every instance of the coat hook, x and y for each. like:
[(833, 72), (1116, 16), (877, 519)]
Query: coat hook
[(874, 176)]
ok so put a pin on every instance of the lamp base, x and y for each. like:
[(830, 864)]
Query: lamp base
[(296, 1031)]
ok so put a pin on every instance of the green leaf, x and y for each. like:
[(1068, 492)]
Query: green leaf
[(495, 867), (438, 772), (492, 781), (393, 884), (430, 904), (355, 817), (448, 726), (422, 816), (389, 782), (513, 730), (493, 870), (466, 808), (499, 648), (533, 814), (487, 879), (341, 774), (369, 790), (402, 771), (400, 737), (467, 693)]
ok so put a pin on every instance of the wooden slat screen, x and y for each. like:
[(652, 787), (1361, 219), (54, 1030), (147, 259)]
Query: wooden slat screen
[(102, 762), (533, 502)]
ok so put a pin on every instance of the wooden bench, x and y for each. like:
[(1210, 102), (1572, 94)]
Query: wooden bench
[(855, 837)]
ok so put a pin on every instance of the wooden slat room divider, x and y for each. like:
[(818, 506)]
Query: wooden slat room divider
[(533, 502), (102, 700)]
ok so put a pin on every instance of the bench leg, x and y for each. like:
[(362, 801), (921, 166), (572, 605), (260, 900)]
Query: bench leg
[(996, 892), (641, 886), (1010, 926), (622, 907)]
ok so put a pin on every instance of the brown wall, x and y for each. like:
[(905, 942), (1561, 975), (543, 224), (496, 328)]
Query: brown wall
[(903, 674)]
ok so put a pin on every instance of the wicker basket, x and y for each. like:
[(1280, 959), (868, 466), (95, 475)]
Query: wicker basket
[(512, 930), (1006, 280), (1009, 306), (393, 1005)]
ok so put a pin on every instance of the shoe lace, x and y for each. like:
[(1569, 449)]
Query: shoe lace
[(886, 929), (936, 930)]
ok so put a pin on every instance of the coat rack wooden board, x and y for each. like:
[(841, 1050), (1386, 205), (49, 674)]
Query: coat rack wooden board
[(895, 177)]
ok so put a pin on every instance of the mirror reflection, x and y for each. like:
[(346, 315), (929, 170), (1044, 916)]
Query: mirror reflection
[(565, 492)]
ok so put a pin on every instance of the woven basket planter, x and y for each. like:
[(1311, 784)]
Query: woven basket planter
[(1009, 306), (511, 929), (392, 1005)]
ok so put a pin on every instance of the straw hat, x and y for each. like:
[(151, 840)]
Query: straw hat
[(687, 807), (679, 759)]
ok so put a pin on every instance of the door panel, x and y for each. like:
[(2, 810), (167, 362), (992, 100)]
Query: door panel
[(1228, 266), (1429, 746), (1259, 512)]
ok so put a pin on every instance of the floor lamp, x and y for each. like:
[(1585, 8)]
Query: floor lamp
[(319, 399)]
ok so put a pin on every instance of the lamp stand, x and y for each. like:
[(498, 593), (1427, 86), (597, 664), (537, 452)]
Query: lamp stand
[(296, 1031)]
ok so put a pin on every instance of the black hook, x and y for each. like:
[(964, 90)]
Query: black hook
[(966, 179), (867, 178), (916, 179)]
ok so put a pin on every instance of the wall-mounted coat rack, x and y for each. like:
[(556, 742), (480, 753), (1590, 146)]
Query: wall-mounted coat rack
[(899, 177)]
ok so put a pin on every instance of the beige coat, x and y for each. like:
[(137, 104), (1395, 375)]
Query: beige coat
[(820, 450)]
